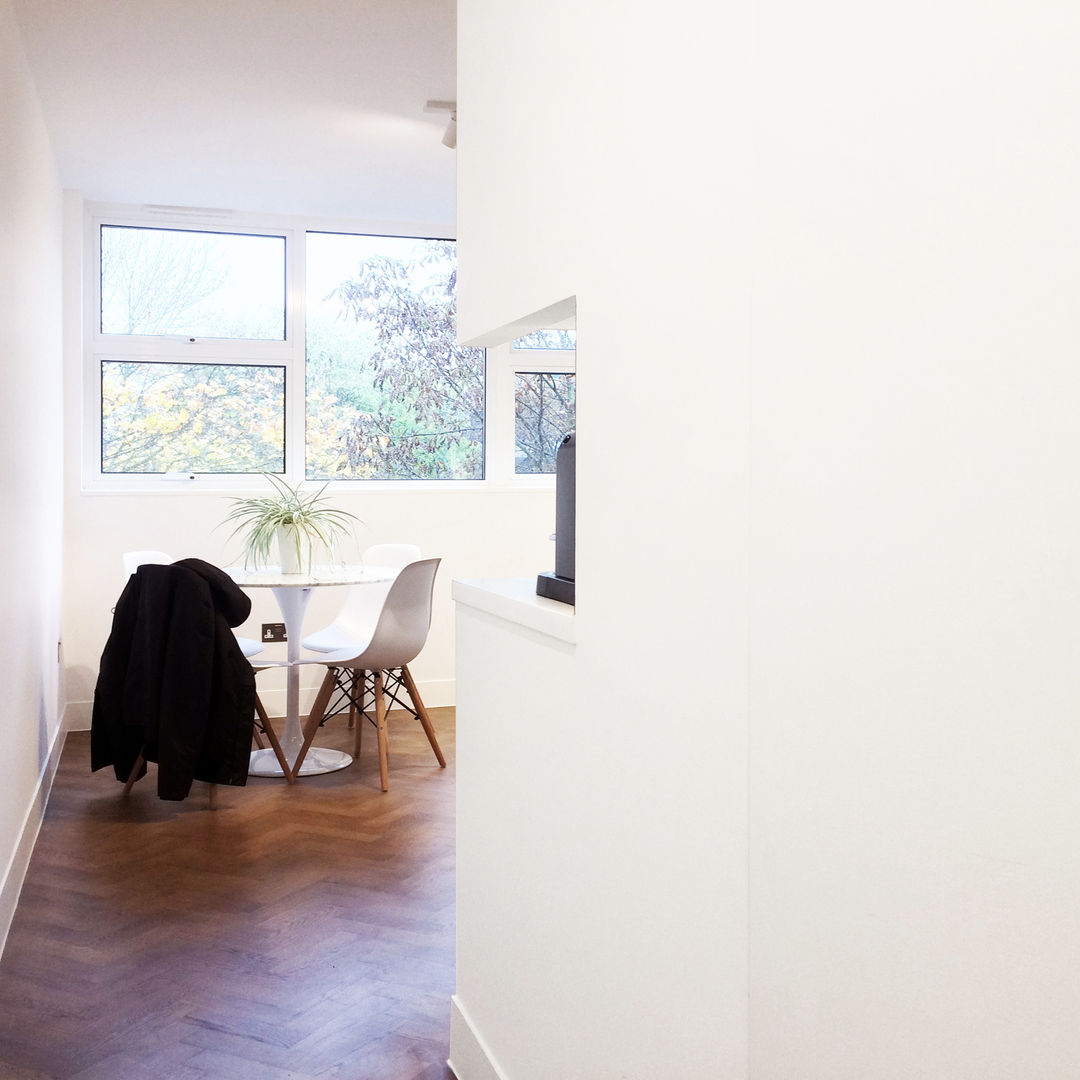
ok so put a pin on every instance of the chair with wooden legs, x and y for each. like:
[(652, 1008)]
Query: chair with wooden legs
[(380, 666), (355, 621)]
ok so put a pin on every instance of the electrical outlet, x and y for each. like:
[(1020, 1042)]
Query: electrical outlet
[(273, 631)]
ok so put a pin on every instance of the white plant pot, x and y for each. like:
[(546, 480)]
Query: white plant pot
[(294, 550)]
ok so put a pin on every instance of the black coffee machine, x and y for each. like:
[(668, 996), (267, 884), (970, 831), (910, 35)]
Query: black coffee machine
[(560, 584)]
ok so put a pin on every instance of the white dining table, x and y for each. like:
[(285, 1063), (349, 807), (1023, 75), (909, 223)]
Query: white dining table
[(292, 593)]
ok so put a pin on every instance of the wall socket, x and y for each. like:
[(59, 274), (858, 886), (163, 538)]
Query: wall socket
[(273, 631)]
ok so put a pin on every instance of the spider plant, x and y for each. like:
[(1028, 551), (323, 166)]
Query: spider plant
[(294, 519)]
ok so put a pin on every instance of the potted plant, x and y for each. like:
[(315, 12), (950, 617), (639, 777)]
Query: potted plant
[(291, 521)]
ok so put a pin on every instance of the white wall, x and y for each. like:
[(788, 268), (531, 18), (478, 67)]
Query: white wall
[(30, 442), (852, 232), (642, 219)]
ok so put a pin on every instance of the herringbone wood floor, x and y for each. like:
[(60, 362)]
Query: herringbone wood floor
[(296, 932)]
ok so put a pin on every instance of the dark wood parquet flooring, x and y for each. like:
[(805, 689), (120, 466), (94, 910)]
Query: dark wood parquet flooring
[(294, 933)]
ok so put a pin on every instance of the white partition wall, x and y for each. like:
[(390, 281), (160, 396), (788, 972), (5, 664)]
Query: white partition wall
[(837, 527), (640, 838)]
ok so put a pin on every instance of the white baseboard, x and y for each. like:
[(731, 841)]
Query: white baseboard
[(470, 1058), (77, 715), (435, 692), (15, 874), (438, 692)]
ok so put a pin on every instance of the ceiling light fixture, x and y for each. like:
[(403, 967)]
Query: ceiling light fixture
[(450, 135)]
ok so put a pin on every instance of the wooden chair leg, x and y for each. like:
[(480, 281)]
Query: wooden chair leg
[(260, 712), (358, 686), (271, 736), (380, 727), (140, 761), (422, 713), (211, 796), (318, 709), (359, 700)]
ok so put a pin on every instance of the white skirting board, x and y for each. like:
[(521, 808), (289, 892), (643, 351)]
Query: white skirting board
[(15, 874), (470, 1058)]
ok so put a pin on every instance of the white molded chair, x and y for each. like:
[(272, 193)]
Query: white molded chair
[(381, 666), (355, 622), (134, 559)]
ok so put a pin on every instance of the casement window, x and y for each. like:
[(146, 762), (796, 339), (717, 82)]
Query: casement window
[(189, 351), (216, 351)]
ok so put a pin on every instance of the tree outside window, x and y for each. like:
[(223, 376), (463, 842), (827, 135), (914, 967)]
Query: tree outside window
[(543, 415)]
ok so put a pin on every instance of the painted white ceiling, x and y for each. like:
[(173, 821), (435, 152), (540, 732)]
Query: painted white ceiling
[(280, 106)]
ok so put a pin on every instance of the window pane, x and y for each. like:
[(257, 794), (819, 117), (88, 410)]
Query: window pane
[(548, 339), (192, 284), (200, 418), (390, 394), (543, 415)]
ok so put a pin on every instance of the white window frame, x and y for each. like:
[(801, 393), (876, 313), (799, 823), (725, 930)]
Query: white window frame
[(99, 347), (502, 362)]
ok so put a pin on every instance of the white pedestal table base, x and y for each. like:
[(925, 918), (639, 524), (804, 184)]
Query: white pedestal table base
[(319, 760)]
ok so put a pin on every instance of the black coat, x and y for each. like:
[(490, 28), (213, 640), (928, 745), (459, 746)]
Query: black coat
[(174, 684)]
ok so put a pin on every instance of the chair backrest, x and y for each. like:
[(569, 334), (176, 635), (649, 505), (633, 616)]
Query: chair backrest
[(405, 619), (394, 556), (134, 559), (360, 610)]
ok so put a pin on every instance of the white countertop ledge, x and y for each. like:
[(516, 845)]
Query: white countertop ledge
[(515, 600)]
